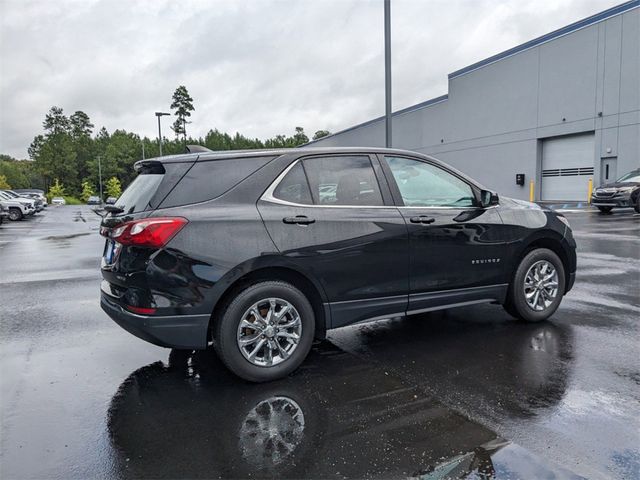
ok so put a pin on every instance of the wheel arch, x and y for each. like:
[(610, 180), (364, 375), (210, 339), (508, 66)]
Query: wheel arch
[(311, 290), (550, 241)]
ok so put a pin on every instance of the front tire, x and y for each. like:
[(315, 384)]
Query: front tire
[(15, 214), (265, 332), (605, 209), (636, 206), (537, 286)]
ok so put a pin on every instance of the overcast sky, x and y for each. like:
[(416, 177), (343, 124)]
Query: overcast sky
[(259, 67)]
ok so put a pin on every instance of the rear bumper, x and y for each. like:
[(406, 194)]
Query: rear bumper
[(179, 331)]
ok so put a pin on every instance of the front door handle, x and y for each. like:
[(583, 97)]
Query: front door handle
[(299, 220), (422, 219)]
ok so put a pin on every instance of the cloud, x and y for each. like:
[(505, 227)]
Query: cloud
[(259, 67)]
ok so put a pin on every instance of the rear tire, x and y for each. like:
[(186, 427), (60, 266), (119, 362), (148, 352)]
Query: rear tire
[(605, 209), (537, 286), (277, 331), (15, 214)]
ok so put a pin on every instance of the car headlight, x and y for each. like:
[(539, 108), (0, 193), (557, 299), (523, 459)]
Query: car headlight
[(564, 220), (625, 189)]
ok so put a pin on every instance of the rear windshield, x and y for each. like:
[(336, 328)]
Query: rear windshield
[(137, 195), (207, 180), (149, 189)]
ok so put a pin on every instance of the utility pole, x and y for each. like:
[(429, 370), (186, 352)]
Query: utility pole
[(160, 114), (143, 149), (100, 176), (387, 72)]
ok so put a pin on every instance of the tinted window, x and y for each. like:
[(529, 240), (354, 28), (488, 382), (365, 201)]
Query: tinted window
[(137, 195), (424, 185), (294, 187), (343, 181), (207, 180)]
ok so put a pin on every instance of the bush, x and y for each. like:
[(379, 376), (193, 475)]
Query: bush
[(87, 191), (56, 190), (113, 187), (4, 184)]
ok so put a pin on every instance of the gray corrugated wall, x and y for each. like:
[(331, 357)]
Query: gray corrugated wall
[(491, 124)]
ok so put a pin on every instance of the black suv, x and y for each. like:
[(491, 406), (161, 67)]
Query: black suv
[(258, 252), (624, 192)]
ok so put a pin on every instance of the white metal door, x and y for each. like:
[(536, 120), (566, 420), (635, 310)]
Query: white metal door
[(567, 165)]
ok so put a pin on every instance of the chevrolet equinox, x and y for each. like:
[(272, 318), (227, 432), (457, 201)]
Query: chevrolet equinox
[(260, 252)]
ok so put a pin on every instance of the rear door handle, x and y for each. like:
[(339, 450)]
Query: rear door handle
[(422, 219), (299, 220)]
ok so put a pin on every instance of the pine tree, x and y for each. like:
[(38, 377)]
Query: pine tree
[(183, 106)]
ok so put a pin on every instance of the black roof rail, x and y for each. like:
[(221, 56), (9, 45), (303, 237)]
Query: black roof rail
[(196, 149)]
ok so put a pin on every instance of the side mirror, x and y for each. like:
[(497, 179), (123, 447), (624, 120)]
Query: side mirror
[(488, 198)]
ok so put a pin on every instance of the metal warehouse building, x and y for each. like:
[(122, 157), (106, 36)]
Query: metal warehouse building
[(562, 109)]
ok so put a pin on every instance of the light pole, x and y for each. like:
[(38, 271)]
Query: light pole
[(387, 71), (160, 114), (100, 176)]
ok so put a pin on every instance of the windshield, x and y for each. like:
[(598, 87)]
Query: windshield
[(136, 197), (630, 177)]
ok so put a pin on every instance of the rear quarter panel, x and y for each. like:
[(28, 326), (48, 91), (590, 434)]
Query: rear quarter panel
[(224, 239)]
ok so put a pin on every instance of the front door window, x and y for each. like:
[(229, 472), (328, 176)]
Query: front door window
[(424, 185)]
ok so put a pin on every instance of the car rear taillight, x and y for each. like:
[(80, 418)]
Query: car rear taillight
[(150, 232)]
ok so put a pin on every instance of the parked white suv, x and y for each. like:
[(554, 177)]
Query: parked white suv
[(18, 207)]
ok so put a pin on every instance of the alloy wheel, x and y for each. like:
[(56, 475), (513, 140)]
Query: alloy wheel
[(269, 332), (541, 285)]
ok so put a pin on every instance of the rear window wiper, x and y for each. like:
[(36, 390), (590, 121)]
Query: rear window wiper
[(113, 209)]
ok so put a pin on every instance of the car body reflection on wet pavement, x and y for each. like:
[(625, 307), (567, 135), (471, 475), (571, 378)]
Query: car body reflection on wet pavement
[(341, 416)]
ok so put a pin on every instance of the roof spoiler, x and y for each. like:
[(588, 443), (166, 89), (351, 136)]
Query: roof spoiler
[(196, 149), (148, 166)]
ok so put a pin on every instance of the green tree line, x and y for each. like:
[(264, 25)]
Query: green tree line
[(69, 148)]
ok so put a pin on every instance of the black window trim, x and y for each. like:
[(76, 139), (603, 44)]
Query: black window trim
[(395, 190), (383, 185)]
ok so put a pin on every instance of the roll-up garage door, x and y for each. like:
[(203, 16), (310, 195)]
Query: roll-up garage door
[(567, 165)]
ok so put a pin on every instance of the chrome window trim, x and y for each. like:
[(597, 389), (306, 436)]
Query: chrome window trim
[(268, 196)]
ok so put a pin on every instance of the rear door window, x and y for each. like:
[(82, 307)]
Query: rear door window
[(209, 179), (343, 181)]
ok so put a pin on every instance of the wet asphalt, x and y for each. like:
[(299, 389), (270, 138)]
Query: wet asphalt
[(465, 393)]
